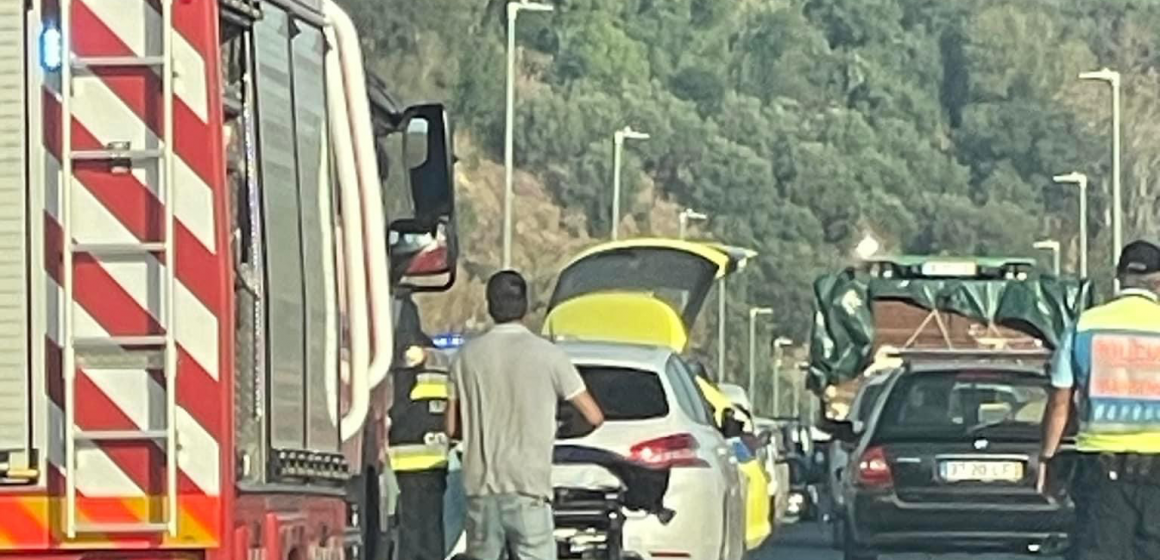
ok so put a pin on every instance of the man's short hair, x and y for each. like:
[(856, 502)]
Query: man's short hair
[(507, 296)]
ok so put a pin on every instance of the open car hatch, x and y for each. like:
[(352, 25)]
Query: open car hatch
[(646, 291)]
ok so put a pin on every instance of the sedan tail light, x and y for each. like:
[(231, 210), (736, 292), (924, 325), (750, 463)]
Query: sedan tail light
[(874, 470), (679, 450)]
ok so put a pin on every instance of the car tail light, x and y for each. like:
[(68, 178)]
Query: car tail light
[(679, 450), (873, 470)]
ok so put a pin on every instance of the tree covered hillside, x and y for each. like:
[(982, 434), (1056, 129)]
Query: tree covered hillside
[(798, 126)]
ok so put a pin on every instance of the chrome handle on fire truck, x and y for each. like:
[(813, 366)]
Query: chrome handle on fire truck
[(162, 250)]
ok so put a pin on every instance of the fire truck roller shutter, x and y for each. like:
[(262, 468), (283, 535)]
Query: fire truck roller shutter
[(14, 375), (292, 129)]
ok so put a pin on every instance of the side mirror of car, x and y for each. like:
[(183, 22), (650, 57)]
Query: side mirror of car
[(842, 430), (731, 427), (697, 368)]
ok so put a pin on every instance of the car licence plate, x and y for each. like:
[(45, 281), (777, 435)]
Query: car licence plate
[(981, 471)]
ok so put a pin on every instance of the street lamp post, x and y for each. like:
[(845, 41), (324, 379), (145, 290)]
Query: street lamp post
[(618, 139), (778, 344), (753, 313), (803, 369), (1053, 246), (513, 10), (1112, 78), (1081, 180), (686, 216), (721, 312), (721, 329)]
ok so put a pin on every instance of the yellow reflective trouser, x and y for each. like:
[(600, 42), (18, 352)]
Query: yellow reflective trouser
[(417, 457)]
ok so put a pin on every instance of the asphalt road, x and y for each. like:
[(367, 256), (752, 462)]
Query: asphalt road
[(808, 541)]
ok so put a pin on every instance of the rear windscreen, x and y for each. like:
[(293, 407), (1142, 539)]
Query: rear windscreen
[(964, 403), (626, 394)]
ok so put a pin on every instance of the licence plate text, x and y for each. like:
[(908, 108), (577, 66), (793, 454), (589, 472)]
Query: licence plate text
[(982, 471)]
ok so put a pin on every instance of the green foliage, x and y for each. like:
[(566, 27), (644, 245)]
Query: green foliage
[(798, 125)]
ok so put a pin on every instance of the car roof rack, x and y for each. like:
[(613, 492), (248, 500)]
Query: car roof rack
[(951, 354)]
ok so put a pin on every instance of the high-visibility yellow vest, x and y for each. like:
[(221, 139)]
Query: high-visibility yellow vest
[(1111, 355)]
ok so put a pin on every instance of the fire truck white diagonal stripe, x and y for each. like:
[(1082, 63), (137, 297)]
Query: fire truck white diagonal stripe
[(197, 327), (109, 119), (141, 399), (197, 454), (138, 25), (132, 390), (102, 476)]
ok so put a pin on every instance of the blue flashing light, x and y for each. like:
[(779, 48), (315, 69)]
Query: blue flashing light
[(51, 49), (446, 341)]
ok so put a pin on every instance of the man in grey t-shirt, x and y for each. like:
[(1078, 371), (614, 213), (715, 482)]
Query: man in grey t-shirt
[(505, 386)]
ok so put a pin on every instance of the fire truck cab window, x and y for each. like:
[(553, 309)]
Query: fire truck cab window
[(294, 168)]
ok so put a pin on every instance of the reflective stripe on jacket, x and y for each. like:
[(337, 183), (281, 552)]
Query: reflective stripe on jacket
[(417, 457), (429, 386), (417, 440)]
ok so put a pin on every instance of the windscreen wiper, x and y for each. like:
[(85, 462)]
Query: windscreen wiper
[(984, 425)]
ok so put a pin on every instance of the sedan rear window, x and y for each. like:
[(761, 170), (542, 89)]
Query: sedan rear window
[(626, 394), (963, 404)]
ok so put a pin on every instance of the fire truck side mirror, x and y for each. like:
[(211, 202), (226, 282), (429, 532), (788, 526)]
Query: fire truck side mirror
[(429, 158), (425, 248)]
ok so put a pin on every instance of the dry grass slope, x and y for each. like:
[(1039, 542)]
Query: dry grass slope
[(545, 237)]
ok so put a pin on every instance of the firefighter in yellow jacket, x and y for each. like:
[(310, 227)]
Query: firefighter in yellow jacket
[(419, 449)]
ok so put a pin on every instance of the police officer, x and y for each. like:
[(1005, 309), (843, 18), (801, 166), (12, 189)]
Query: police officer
[(418, 447), (1110, 365)]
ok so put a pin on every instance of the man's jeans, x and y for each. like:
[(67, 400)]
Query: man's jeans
[(524, 523)]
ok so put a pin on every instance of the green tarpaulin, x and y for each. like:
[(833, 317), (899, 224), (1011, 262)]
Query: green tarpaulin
[(842, 338)]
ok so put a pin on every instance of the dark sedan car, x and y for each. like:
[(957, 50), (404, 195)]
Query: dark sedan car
[(949, 463)]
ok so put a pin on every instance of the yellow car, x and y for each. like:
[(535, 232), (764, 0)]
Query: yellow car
[(757, 513)]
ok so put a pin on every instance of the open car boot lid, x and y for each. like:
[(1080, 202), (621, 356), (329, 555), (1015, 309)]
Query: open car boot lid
[(651, 288)]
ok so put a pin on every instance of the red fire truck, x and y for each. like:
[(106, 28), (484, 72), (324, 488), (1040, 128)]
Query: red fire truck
[(198, 276)]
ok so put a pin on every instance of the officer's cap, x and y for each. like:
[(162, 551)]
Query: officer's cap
[(1139, 257)]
